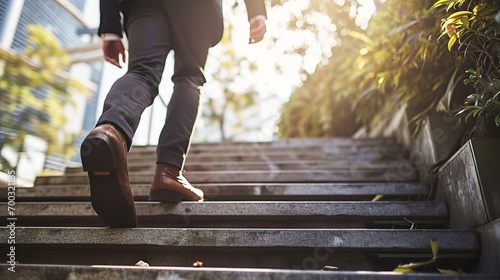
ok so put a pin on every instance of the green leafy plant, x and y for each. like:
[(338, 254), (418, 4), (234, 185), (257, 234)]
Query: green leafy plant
[(403, 60), (322, 105), (485, 103), (397, 61), (474, 38)]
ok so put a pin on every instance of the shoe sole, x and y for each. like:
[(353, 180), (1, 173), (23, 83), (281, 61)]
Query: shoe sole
[(168, 196), (107, 197)]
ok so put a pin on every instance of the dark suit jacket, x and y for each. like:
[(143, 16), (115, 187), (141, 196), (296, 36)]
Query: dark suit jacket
[(111, 19)]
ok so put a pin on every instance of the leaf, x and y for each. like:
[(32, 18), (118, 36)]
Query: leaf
[(477, 111), (142, 264), (403, 270), (442, 3), (497, 120), (361, 37), (468, 116), (449, 271), (471, 98), (459, 14), (434, 248), (417, 264), (198, 264), (407, 268), (446, 100), (377, 197), (450, 6), (465, 21), (451, 42)]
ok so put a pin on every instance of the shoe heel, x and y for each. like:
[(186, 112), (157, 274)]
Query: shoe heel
[(165, 196), (97, 154), (106, 194)]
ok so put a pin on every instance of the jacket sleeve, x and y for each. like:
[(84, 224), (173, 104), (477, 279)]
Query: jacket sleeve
[(110, 17), (255, 8)]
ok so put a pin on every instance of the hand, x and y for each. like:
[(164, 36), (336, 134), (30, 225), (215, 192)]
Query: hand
[(257, 29), (112, 51)]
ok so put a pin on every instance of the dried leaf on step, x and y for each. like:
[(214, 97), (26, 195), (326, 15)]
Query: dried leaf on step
[(407, 268), (449, 272), (377, 197), (403, 270), (142, 263), (434, 247), (197, 264), (329, 267)]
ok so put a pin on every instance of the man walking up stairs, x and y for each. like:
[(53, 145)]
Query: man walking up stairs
[(295, 209)]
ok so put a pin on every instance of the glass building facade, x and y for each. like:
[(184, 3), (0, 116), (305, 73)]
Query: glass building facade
[(53, 17), (17, 15), (3, 10)]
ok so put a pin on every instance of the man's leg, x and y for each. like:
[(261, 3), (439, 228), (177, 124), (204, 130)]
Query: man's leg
[(149, 44), (105, 148), (193, 25)]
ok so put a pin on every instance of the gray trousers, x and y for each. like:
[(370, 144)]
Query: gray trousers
[(154, 28)]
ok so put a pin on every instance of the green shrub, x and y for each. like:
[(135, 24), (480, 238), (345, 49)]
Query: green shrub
[(400, 60)]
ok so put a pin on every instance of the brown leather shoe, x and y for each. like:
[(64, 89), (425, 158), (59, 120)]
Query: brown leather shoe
[(170, 186), (104, 157)]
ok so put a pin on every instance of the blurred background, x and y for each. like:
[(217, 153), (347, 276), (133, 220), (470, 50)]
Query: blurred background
[(333, 68)]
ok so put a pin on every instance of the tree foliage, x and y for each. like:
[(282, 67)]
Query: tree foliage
[(34, 91), (322, 106), (227, 110), (474, 37), (399, 61)]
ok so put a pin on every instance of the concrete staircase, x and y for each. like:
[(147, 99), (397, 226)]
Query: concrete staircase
[(279, 210)]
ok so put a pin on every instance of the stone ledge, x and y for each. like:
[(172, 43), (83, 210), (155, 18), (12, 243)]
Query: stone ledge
[(179, 273), (436, 141), (238, 191), (408, 209), (252, 157), (302, 142), (487, 162), (469, 182), (272, 165), (379, 240), (352, 214), (289, 153), (288, 176)]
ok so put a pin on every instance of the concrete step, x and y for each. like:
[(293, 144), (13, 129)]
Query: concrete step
[(283, 146), (394, 165), (291, 143), (24, 271), (281, 152), (361, 239), (239, 191), (325, 149), (270, 214), (348, 249), (252, 157), (281, 176)]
